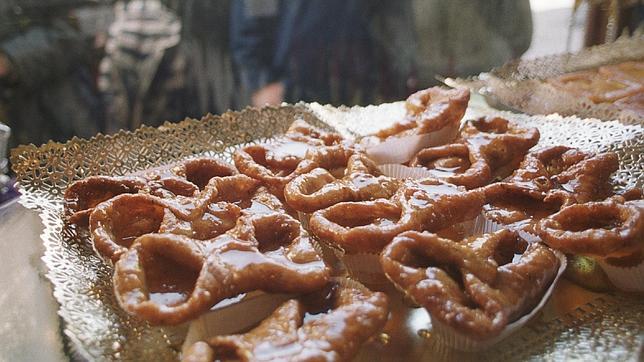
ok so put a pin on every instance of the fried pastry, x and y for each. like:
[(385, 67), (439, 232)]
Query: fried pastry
[(519, 207), (278, 162), (115, 223), (457, 163), (200, 170), (502, 143), (586, 177), (169, 279), (329, 325), (82, 196), (418, 205), (319, 189), (476, 286), (605, 85), (430, 110), (611, 228), (184, 179)]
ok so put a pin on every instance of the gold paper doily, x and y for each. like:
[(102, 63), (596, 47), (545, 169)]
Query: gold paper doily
[(595, 326)]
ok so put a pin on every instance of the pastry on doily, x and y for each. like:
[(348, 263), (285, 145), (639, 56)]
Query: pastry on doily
[(82, 196), (366, 227), (585, 176), (503, 144), (328, 325), (183, 179), (117, 222), (610, 228), (169, 279), (277, 162), (457, 163), (520, 207), (605, 84), (473, 287), (319, 189), (430, 110), (611, 231)]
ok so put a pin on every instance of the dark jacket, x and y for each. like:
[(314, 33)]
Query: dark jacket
[(321, 49), (50, 93)]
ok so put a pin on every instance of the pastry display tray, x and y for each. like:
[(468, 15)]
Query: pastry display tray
[(575, 323), (519, 84)]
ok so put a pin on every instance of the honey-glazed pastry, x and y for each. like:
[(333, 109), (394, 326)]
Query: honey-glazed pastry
[(82, 196), (360, 227), (184, 179), (610, 231), (366, 227), (502, 143), (169, 279), (520, 207), (430, 110), (475, 286), (586, 177), (115, 223), (187, 177), (319, 189), (457, 163), (604, 85), (610, 228), (632, 71), (200, 170), (278, 162), (329, 325)]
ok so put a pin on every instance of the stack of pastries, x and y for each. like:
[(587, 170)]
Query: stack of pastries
[(619, 84), (185, 237)]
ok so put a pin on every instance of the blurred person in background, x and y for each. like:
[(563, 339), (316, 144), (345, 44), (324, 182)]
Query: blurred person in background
[(46, 88), (459, 38), (313, 50), (357, 52), (166, 60)]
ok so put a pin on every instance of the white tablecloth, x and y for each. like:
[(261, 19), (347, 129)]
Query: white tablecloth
[(29, 326)]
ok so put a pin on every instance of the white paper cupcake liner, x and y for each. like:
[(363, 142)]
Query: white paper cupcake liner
[(627, 279), (463, 342), (483, 225), (232, 316), (402, 149), (363, 267), (402, 171)]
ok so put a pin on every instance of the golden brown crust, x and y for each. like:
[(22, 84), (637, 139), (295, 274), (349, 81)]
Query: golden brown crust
[(82, 196), (520, 207), (329, 325), (418, 205), (502, 143), (610, 228), (586, 177), (184, 179), (607, 84), (430, 110), (476, 286), (319, 189), (456, 163), (278, 162), (115, 223), (169, 279)]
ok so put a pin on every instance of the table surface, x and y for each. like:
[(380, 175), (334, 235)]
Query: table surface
[(29, 324)]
